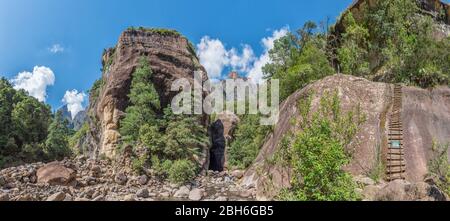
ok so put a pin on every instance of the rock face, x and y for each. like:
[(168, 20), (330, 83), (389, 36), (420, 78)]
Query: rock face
[(55, 174), (171, 57), (229, 121), (425, 115)]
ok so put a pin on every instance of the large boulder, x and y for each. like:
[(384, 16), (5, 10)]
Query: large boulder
[(425, 116), (55, 173), (171, 57)]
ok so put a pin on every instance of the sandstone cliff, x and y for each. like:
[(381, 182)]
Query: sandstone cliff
[(425, 116), (171, 56)]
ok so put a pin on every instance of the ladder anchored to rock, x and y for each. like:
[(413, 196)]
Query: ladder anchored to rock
[(396, 165)]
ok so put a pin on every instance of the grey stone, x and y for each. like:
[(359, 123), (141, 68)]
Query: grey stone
[(121, 179), (142, 193), (143, 180), (183, 192), (60, 196), (196, 194)]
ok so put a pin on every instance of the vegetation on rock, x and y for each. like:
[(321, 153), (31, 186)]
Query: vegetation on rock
[(318, 153), (439, 166), (394, 43), (172, 141), (161, 31)]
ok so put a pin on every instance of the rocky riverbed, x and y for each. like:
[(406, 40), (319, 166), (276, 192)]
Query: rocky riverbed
[(89, 180)]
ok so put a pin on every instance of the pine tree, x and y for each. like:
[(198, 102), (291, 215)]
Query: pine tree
[(144, 103)]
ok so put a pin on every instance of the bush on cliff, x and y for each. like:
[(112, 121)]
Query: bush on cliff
[(394, 43), (319, 152), (167, 137)]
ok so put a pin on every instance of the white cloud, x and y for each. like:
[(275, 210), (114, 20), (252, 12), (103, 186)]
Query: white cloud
[(74, 101), (36, 82), (215, 57), (241, 62), (56, 48), (256, 74)]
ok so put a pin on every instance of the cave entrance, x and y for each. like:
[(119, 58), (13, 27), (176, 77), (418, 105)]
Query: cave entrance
[(217, 151)]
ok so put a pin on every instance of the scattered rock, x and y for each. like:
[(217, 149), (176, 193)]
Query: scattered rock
[(121, 179), (183, 192), (142, 193), (238, 174), (24, 198), (393, 191), (165, 195), (68, 198), (363, 180), (246, 194), (129, 197), (221, 198), (99, 198), (96, 171), (143, 180), (4, 197), (196, 194), (370, 192), (60, 196)]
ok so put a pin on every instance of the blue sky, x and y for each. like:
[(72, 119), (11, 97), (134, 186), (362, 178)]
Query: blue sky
[(78, 31)]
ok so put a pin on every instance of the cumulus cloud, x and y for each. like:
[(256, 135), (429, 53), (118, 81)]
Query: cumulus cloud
[(36, 82), (256, 74), (241, 62), (56, 48), (212, 55), (74, 101), (215, 57)]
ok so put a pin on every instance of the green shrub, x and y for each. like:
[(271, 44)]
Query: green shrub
[(393, 43), (182, 171), (94, 92), (139, 163), (161, 31), (159, 167), (439, 166), (249, 138), (353, 53), (319, 152)]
